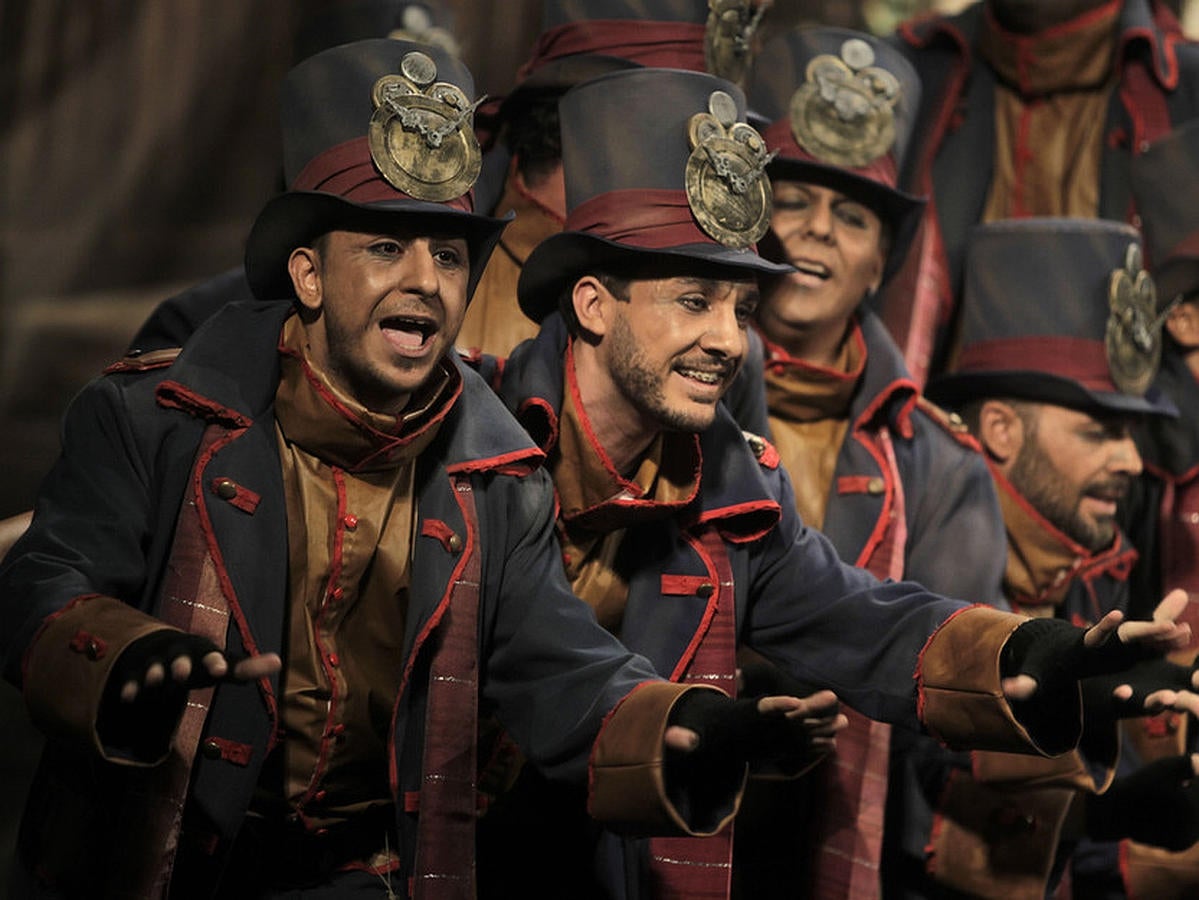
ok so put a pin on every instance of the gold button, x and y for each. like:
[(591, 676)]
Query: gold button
[(875, 485), (705, 590), (226, 488), (455, 544), (211, 749)]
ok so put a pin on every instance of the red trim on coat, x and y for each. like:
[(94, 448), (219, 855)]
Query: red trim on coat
[(596, 742), (243, 498), (1165, 475), (232, 751), (46, 622), (517, 462), (439, 531), (720, 519), (551, 420), (682, 585), (222, 572), (471, 546), (332, 729), (1164, 54), (173, 395), (919, 673), (391, 441), (688, 654)]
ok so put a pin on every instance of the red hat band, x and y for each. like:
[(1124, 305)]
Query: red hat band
[(1080, 360), (348, 171)]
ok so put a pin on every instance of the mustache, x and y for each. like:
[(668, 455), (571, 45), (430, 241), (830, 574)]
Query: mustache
[(1114, 488)]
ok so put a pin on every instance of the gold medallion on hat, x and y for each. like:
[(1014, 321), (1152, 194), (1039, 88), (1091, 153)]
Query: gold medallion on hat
[(844, 112), (421, 134), (725, 178), (729, 36), (1133, 338)]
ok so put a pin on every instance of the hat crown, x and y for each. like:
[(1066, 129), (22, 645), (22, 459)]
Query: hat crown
[(848, 97), (563, 12), (328, 98), (1032, 285), (629, 130)]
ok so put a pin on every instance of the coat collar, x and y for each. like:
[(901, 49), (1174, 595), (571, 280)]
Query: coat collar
[(1141, 30), (229, 372), (733, 493)]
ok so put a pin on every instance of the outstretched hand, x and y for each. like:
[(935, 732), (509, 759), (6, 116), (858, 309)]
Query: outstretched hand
[(765, 729), (182, 661), (1111, 645)]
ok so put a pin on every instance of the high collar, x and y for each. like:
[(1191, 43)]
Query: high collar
[(593, 495), (1144, 31), (1042, 562), (335, 427), (801, 391), (1077, 54), (734, 493)]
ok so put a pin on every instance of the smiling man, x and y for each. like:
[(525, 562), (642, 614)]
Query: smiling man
[(679, 530), (276, 576)]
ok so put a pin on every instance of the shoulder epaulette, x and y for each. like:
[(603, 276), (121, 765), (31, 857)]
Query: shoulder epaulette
[(763, 451), (950, 422), (143, 360)]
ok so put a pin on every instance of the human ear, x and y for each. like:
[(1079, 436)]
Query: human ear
[(1000, 431), (304, 268), (591, 302)]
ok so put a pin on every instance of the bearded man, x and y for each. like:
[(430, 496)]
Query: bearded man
[(1060, 343)]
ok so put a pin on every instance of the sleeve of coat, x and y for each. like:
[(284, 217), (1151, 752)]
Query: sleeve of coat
[(961, 699), (67, 667), (627, 790)]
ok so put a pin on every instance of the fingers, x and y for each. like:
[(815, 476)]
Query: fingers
[(254, 667), (680, 739), (1172, 606), (1185, 702), (819, 704), (215, 666), (1099, 633), (1020, 687), (1195, 764)]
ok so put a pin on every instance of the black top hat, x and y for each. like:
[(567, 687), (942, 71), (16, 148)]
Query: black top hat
[(1057, 311), (1165, 185), (583, 39), (429, 22), (660, 168), (838, 108), (375, 134)]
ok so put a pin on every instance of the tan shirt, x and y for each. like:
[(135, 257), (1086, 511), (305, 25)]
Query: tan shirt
[(1050, 107)]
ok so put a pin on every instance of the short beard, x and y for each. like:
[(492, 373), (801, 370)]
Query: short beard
[(1039, 483), (642, 387)]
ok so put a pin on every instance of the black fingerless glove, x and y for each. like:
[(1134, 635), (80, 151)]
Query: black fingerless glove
[(1054, 653), (1144, 677), (142, 729), (1157, 805)]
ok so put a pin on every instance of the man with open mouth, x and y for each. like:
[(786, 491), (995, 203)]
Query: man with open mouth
[(1061, 338), (681, 531), (276, 576)]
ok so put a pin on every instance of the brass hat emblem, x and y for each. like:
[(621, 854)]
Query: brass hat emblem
[(729, 34), (844, 112), (1133, 338), (726, 187), (421, 134)]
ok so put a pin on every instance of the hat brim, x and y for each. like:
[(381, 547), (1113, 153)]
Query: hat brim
[(562, 258), (293, 219), (899, 210), (957, 389)]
